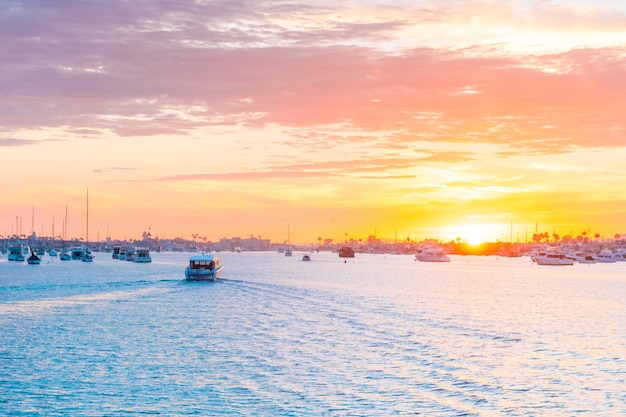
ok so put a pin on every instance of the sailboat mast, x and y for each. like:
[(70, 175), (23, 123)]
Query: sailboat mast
[(87, 235)]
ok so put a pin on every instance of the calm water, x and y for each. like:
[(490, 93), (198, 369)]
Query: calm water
[(376, 336)]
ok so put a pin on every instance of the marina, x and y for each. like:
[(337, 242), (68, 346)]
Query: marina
[(379, 334)]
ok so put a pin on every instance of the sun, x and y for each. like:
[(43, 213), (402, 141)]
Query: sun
[(474, 240), (472, 234)]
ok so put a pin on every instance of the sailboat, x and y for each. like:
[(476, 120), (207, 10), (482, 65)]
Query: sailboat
[(288, 251), (87, 256), (64, 255)]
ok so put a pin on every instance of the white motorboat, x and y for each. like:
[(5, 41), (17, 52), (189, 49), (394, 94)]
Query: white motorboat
[(77, 253), (586, 258), (142, 256), (551, 258), (606, 257), (432, 255), (204, 267), (16, 253), (87, 256)]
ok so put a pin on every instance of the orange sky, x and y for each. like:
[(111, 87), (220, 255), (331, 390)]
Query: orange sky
[(418, 119)]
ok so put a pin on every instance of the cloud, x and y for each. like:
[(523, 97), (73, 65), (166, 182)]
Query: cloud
[(373, 168), (153, 67), (6, 142)]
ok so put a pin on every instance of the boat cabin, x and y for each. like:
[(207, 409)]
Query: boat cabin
[(202, 264)]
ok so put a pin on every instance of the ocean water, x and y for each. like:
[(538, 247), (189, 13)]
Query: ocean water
[(378, 335)]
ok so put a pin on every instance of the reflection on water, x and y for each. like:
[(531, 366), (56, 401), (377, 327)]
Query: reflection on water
[(377, 335)]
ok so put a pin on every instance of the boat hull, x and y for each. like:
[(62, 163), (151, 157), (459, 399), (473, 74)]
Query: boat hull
[(552, 260)]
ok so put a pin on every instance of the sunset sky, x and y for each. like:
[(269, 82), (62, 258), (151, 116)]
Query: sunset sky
[(418, 119)]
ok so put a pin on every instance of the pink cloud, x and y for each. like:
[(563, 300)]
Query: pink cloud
[(77, 65)]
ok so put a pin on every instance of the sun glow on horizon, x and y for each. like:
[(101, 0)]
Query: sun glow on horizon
[(473, 234)]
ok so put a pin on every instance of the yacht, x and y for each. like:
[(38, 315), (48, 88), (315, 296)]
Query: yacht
[(130, 254), (77, 253), (551, 258), (142, 256), (606, 257), (432, 255), (203, 267), (16, 253)]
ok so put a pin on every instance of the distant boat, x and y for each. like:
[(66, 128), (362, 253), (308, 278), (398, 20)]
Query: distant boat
[(130, 254), (87, 256), (52, 252), (288, 251), (16, 253), (204, 267), (346, 252), (77, 252), (306, 257), (116, 252), (554, 258), (432, 255), (606, 257), (33, 259), (64, 256), (142, 256)]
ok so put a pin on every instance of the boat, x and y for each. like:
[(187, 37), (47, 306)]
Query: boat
[(64, 256), (33, 259), (87, 256), (432, 255), (130, 254), (116, 252), (606, 257), (203, 267), (346, 252), (288, 251), (16, 253), (52, 252), (551, 258), (586, 259), (142, 256), (77, 253), (306, 257)]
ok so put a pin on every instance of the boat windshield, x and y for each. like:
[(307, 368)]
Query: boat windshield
[(203, 265)]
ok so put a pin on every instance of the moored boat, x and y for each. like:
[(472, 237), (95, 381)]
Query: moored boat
[(432, 255), (346, 252), (77, 253), (203, 267), (33, 259), (552, 258), (142, 256), (16, 253), (87, 256), (306, 257), (606, 257)]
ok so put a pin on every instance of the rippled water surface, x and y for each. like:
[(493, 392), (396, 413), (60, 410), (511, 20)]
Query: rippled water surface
[(379, 335)]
